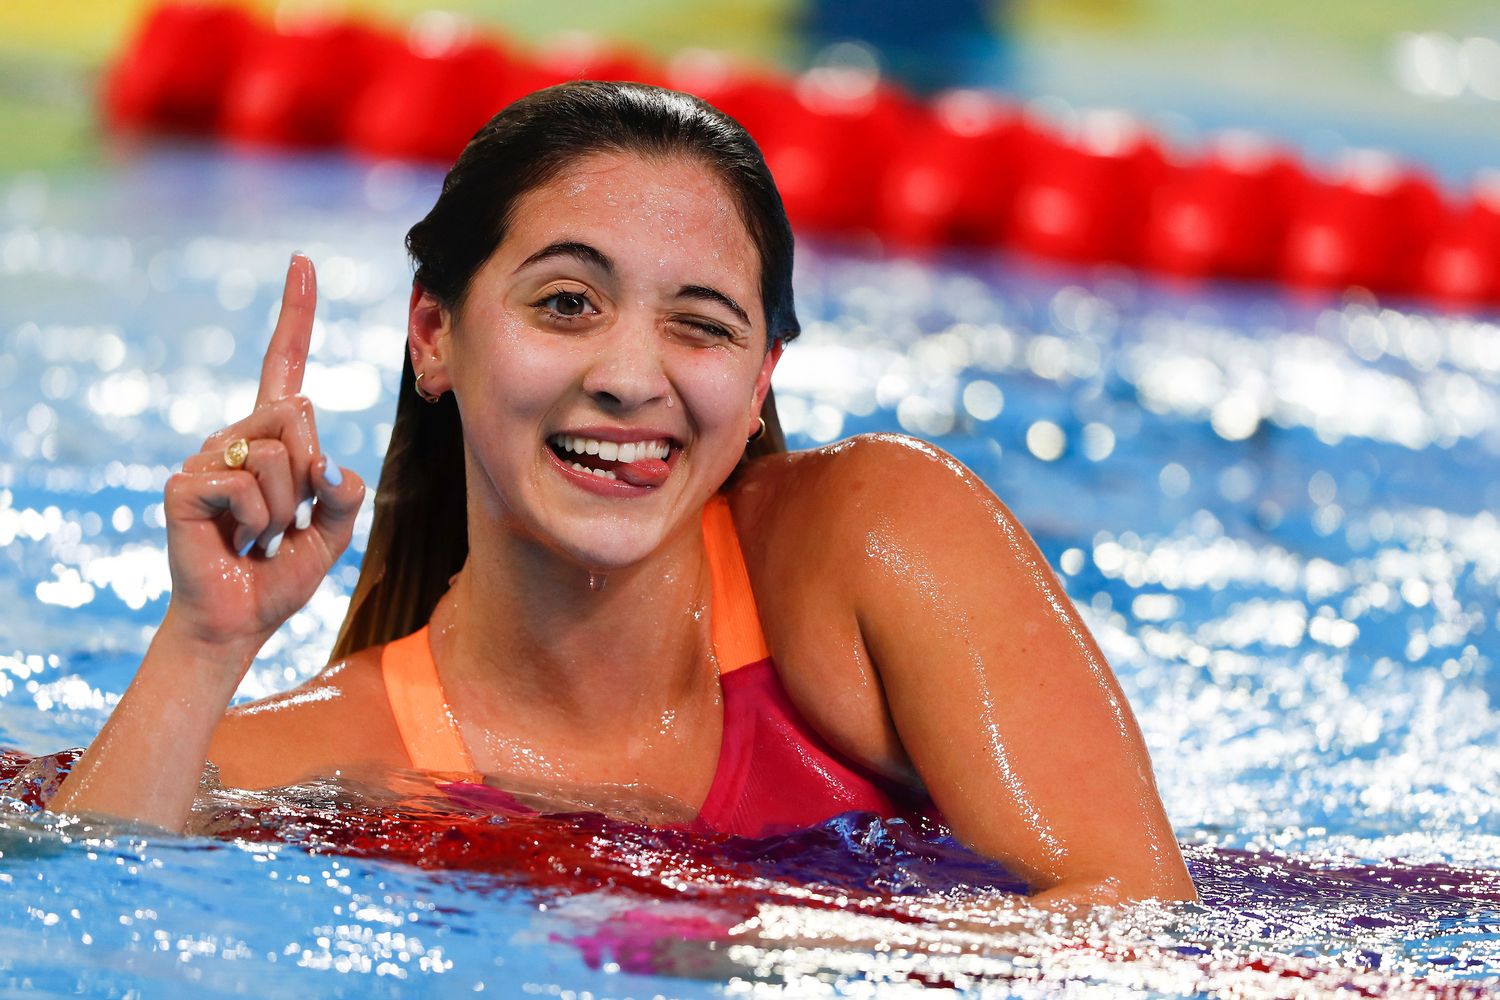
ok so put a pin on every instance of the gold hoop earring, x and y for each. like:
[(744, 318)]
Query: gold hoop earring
[(760, 431), (427, 397)]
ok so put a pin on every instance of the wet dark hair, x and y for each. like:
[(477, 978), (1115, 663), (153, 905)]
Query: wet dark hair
[(419, 537)]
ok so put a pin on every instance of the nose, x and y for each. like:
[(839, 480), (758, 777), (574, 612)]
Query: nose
[(628, 371)]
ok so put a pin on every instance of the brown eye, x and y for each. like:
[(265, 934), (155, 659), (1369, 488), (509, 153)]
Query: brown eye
[(569, 304), (566, 306)]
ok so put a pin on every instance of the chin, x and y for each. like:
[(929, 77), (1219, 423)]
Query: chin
[(607, 534)]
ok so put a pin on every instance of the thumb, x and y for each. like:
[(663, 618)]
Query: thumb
[(340, 492)]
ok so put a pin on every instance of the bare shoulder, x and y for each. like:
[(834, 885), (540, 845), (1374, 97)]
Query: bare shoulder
[(340, 719), (872, 481), (821, 532)]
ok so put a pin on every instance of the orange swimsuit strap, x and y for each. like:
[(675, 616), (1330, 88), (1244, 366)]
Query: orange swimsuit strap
[(423, 718), (733, 620), (426, 724)]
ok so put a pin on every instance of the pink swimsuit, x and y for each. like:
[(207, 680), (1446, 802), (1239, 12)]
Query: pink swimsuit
[(775, 772)]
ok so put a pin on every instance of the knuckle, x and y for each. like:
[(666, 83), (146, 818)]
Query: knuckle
[(252, 510), (241, 483), (177, 484), (272, 450)]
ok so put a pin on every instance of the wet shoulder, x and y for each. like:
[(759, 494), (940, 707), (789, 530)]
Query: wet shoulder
[(807, 521), (338, 721), (839, 492)]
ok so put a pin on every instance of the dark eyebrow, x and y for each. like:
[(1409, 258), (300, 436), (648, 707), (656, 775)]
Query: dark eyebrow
[(571, 248), (713, 295)]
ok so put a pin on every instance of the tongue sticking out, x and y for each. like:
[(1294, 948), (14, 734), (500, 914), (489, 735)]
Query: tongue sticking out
[(643, 472)]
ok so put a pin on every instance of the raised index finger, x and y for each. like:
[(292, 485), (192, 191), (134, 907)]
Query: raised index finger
[(286, 356)]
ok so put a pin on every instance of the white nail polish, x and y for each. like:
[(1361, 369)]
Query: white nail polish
[(303, 517), (274, 544)]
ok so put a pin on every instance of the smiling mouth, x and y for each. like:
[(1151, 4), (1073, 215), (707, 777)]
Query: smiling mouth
[(645, 463)]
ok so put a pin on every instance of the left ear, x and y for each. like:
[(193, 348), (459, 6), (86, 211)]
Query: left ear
[(763, 383)]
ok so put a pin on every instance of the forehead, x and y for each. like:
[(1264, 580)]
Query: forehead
[(667, 211)]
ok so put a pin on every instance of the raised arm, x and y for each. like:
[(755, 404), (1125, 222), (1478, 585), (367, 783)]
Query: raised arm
[(248, 540), (999, 693)]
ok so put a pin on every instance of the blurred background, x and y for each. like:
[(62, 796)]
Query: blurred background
[(1409, 76)]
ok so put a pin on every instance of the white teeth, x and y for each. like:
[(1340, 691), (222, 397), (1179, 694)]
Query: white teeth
[(601, 473), (613, 451)]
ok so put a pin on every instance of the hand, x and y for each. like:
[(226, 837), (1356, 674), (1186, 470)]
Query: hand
[(247, 546)]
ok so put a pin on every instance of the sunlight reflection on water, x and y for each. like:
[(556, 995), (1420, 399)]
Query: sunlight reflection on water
[(1276, 516)]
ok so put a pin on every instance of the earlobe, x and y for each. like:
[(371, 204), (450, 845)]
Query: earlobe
[(763, 379), (429, 324), (757, 425)]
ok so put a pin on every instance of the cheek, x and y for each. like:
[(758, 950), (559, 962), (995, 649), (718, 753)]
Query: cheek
[(513, 373), (717, 394)]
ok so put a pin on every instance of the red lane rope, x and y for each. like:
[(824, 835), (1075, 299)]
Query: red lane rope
[(851, 154)]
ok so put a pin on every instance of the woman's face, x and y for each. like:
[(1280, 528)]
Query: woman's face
[(610, 358)]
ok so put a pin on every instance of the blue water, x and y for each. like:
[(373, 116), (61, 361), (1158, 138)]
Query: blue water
[(1277, 516)]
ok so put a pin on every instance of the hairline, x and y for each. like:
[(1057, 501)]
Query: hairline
[(644, 151)]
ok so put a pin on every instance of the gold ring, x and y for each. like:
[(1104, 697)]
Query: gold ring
[(235, 453)]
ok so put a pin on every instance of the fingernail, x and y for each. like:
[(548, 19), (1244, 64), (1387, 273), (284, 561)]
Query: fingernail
[(245, 550), (303, 516), (333, 474), (274, 544)]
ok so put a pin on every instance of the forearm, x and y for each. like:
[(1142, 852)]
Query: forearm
[(146, 762)]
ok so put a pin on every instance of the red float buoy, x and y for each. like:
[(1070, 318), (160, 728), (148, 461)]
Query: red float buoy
[(1084, 193), (1225, 215), (174, 73), (1461, 266), (295, 87), (828, 146), (750, 98), (1369, 227), (955, 181), (429, 100)]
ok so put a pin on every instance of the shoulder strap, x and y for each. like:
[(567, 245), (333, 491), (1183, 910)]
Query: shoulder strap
[(734, 622), (428, 729)]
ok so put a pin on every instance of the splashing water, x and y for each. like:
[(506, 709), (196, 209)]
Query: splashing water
[(1276, 517)]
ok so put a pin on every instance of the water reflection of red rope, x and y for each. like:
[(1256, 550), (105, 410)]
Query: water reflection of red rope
[(884, 899)]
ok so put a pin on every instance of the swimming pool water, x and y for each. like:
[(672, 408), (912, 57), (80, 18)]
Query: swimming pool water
[(1278, 517)]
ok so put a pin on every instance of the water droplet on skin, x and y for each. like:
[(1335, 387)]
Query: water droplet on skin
[(597, 580), (669, 402)]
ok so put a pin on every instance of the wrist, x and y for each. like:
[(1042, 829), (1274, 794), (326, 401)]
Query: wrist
[(230, 654)]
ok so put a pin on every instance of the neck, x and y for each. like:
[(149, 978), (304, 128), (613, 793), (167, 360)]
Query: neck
[(532, 628)]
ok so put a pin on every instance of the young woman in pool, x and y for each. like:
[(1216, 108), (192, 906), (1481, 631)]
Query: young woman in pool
[(581, 576)]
